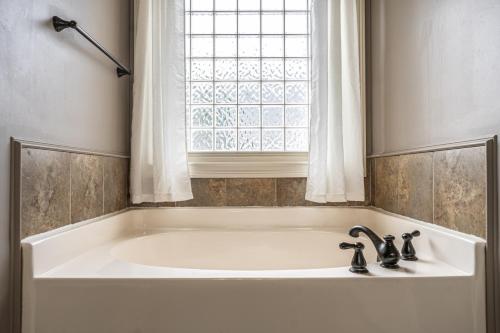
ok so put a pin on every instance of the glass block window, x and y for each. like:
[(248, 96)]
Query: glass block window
[(247, 75)]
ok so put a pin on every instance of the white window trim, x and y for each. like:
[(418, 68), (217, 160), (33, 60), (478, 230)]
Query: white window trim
[(248, 165)]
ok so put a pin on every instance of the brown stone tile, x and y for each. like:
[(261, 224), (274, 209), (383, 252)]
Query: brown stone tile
[(45, 190), (415, 192), (86, 187), (115, 183), (460, 190), (207, 192), (385, 176), (291, 191), (251, 191)]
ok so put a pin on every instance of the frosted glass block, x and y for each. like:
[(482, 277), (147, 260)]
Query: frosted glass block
[(225, 46), (202, 23), (202, 116), (225, 69), (202, 46), (249, 23), (249, 70), (225, 23), (202, 92), (272, 116), (249, 4), (248, 93), (272, 46), (225, 116), (296, 46), (296, 69), (201, 140), (272, 92), (225, 92), (187, 5), (296, 92), (296, 116), (296, 23), (272, 5), (272, 23), (188, 93), (225, 139), (187, 68), (249, 140), (272, 69), (272, 139), (296, 139), (187, 24), (249, 116), (295, 4), (248, 46), (225, 4), (187, 47), (202, 5), (202, 70)]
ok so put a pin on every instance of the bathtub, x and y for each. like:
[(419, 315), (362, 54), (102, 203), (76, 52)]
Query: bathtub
[(247, 270)]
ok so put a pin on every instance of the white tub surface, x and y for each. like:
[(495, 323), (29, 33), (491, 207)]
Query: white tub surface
[(248, 270)]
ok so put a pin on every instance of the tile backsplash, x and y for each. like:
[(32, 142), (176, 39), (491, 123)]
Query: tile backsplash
[(446, 187), (59, 188)]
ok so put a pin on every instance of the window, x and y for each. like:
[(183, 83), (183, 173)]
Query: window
[(247, 75)]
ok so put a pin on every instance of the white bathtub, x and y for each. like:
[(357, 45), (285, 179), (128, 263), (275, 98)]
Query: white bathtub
[(239, 270)]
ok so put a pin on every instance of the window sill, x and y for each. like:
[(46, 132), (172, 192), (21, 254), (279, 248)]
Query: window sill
[(248, 165)]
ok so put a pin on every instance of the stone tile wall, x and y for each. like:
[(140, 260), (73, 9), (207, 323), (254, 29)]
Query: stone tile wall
[(446, 187), (59, 188)]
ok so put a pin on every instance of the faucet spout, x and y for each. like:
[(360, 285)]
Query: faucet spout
[(387, 252)]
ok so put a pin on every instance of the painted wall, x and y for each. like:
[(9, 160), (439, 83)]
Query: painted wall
[(56, 88)]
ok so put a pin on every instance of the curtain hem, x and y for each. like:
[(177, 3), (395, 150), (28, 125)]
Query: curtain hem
[(161, 197)]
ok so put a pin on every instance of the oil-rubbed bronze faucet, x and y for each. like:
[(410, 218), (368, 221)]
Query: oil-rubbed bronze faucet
[(387, 252)]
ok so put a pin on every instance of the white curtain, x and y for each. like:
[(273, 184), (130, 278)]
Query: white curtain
[(336, 152), (159, 166)]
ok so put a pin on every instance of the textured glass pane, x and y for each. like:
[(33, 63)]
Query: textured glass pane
[(249, 140), (225, 116), (225, 69), (296, 92), (225, 140), (187, 47), (272, 69), (296, 139), (187, 68), (188, 93), (272, 23), (201, 5), (202, 92), (225, 23), (249, 46), (225, 4), (225, 46), (249, 116), (272, 92), (296, 4), (249, 70), (202, 46), (201, 140), (225, 92), (272, 140), (249, 4), (296, 46), (202, 116), (187, 5), (272, 46), (296, 23), (249, 23), (202, 23), (272, 116), (249, 93), (296, 116), (187, 24), (272, 5), (296, 69), (201, 70)]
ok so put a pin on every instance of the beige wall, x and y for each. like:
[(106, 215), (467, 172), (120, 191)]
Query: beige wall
[(56, 88), (436, 71)]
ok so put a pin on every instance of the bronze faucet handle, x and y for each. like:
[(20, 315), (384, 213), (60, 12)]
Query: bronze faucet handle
[(358, 262), (408, 251)]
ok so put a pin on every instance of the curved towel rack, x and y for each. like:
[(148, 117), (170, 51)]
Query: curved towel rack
[(60, 24)]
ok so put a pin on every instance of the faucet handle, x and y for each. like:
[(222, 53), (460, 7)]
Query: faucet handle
[(358, 262), (408, 251), (389, 238)]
